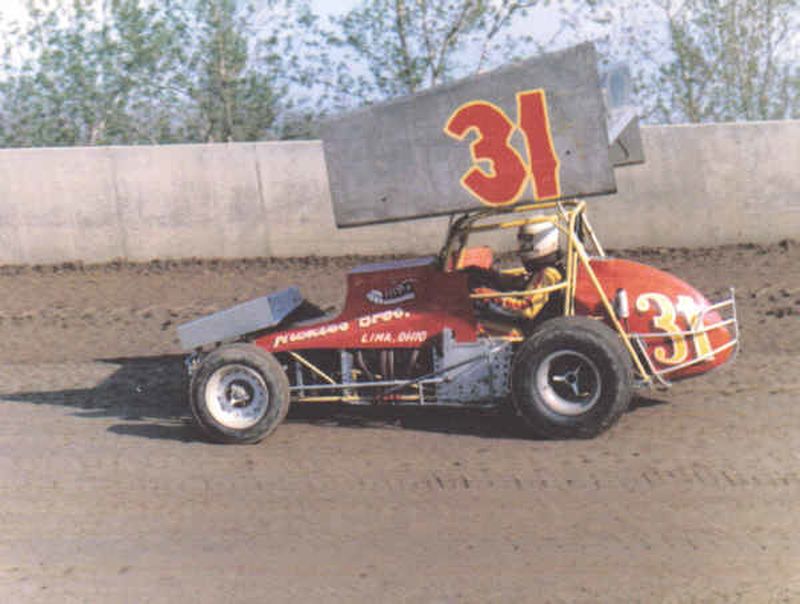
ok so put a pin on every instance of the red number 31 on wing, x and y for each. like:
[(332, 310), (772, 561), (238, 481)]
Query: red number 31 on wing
[(508, 174)]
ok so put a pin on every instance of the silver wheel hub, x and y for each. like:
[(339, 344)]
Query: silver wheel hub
[(237, 396), (569, 382)]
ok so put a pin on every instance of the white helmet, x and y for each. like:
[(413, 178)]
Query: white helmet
[(537, 240)]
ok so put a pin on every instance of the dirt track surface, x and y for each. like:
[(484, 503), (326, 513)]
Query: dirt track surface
[(110, 494)]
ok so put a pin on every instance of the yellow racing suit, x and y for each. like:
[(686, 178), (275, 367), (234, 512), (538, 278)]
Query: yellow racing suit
[(526, 307)]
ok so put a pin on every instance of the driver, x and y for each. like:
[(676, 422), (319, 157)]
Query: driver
[(537, 246)]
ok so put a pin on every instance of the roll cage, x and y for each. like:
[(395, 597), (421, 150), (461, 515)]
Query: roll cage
[(580, 244)]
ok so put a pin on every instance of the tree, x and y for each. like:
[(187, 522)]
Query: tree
[(240, 66), (396, 47), (708, 60), (731, 60), (90, 72)]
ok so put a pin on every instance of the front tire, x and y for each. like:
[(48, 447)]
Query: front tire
[(572, 378), (239, 394)]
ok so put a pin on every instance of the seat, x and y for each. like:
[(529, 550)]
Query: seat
[(480, 257)]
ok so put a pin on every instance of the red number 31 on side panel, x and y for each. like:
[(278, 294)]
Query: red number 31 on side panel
[(508, 174)]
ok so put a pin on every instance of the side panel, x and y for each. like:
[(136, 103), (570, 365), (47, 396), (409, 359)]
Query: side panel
[(659, 303), (399, 305), (481, 371)]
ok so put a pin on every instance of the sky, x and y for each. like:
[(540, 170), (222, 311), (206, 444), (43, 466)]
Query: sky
[(12, 8), (542, 22), (331, 7)]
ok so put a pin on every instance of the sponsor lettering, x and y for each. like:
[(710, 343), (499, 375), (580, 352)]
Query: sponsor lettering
[(412, 336), (382, 317), (380, 337), (395, 294), (385, 337), (310, 334)]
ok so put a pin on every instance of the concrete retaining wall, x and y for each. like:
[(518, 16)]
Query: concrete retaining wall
[(701, 186), (707, 185)]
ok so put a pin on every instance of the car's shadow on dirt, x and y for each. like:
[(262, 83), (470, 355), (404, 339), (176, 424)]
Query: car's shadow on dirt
[(487, 423), (149, 396), (474, 422), (147, 393)]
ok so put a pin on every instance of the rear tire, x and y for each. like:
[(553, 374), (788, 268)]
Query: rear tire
[(572, 378), (239, 394)]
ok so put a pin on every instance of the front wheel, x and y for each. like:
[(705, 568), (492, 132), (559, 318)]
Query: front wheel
[(239, 394), (572, 378)]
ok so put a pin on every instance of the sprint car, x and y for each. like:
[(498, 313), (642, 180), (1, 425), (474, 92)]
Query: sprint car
[(412, 333)]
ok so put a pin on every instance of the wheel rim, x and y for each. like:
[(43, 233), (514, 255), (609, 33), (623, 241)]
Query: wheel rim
[(569, 382), (236, 396)]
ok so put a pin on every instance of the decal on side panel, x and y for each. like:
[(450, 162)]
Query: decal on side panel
[(401, 292), (665, 319), (499, 174)]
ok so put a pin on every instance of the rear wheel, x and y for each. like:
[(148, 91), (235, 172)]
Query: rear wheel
[(572, 378), (239, 394)]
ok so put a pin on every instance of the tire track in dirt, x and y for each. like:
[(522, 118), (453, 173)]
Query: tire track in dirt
[(695, 479), (108, 491)]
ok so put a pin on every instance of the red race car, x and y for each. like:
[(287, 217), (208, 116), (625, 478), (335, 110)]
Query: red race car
[(564, 345)]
